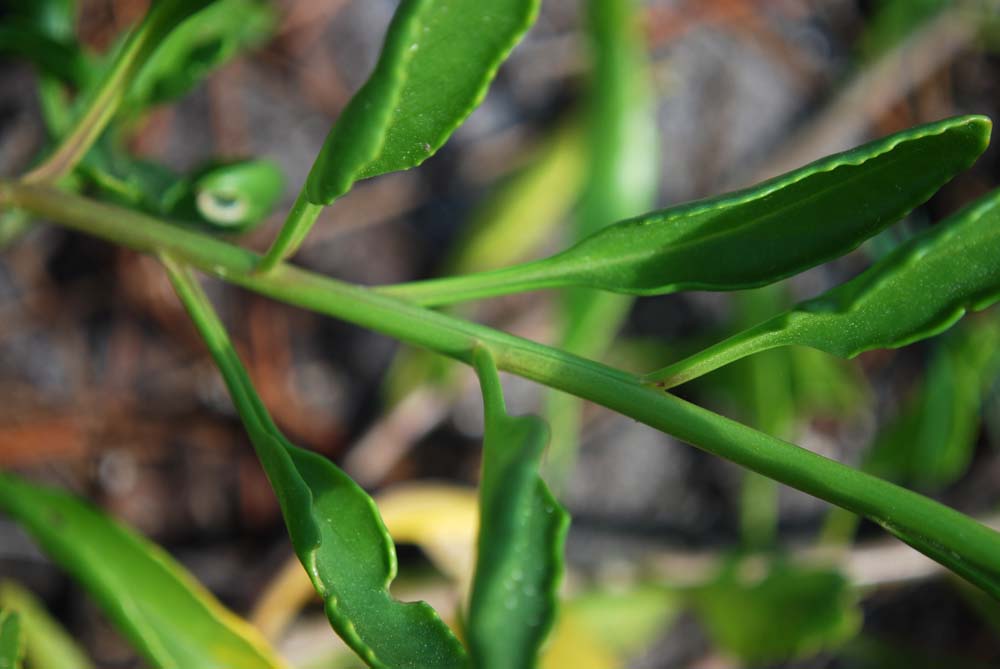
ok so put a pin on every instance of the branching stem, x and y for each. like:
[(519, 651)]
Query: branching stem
[(961, 543)]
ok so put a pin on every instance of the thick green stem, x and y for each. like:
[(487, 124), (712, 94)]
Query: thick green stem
[(955, 540)]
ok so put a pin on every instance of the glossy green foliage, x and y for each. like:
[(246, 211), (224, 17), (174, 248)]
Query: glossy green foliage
[(752, 237), (334, 525), (173, 621), (788, 613), (919, 290), (47, 644), (437, 61), (522, 529), (11, 640), (930, 442), (197, 46)]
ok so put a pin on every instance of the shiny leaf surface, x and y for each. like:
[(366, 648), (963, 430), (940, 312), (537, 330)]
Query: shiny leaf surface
[(751, 237), (436, 64), (334, 525), (438, 59), (919, 290)]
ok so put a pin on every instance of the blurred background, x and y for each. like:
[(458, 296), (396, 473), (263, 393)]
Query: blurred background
[(676, 558)]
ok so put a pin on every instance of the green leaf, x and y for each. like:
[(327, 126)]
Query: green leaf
[(233, 197), (751, 237), (918, 291), (47, 644), (11, 644), (437, 62), (199, 45), (438, 59), (522, 531), (785, 614), (334, 525), (157, 605)]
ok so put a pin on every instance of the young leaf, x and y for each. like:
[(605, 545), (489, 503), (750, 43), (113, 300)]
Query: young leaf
[(46, 643), (918, 291), (11, 644), (522, 529), (232, 197), (751, 237), (169, 617), (436, 64), (334, 525), (198, 46)]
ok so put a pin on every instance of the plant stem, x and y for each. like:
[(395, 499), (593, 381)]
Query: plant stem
[(757, 339), (493, 283), (297, 225), (955, 540), (163, 17)]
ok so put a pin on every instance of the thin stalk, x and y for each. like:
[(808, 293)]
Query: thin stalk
[(753, 340), (163, 16), (967, 547), (297, 225), (463, 288)]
